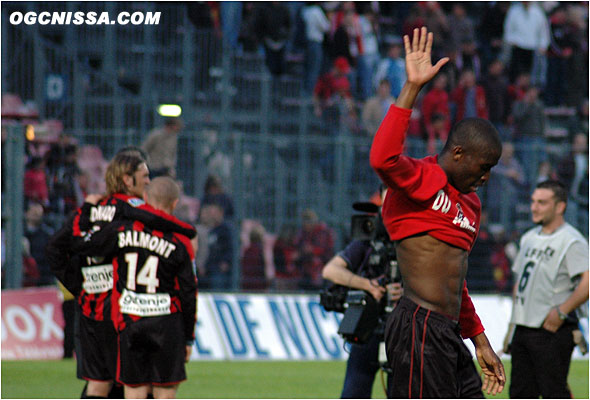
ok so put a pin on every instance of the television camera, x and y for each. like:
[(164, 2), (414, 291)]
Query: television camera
[(363, 315)]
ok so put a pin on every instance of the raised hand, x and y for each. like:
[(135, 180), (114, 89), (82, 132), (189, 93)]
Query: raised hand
[(419, 68)]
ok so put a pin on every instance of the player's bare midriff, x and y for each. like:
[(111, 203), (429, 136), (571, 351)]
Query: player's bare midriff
[(433, 273)]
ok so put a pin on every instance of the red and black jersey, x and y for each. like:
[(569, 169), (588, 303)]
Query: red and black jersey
[(91, 278), (153, 272), (420, 199)]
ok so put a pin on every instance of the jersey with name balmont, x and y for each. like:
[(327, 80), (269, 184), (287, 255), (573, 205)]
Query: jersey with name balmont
[(153, 273), (97, 271), (421, 200), (545, 268)]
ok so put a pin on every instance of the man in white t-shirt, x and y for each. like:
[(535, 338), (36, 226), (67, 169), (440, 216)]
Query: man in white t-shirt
[(317, 25), (551, 272)]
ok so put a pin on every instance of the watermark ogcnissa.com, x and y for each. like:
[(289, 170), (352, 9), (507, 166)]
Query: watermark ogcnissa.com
[(84, 18)]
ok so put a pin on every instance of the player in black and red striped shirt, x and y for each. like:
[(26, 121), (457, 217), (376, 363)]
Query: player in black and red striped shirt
[(90, 278), (154, 296)]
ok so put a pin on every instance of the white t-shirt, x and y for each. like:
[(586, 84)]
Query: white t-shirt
[(316, 23), (527, 28), (546, 271)]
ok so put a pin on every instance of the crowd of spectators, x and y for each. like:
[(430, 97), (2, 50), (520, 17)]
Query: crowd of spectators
[(58, 174), (546, 40), (291, 260), (509, 61)]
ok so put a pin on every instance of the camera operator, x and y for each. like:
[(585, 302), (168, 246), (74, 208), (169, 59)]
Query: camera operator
[(351, 268)]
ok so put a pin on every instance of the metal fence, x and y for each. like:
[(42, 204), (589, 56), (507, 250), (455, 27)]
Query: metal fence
[(255, 130)]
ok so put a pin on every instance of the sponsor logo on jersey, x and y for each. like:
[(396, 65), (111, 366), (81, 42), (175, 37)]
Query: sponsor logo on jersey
[(98, 278), (144, 305), (136, 202), (539, 254), (102, 213), (462, 221), (443, 203)]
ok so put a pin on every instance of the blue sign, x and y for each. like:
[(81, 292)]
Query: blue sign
[(55, 87)]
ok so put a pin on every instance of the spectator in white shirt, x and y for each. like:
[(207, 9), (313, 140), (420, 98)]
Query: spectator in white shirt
[(526, 31), (316, 25)]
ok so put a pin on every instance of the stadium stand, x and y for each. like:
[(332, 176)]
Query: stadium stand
[(104, 83)]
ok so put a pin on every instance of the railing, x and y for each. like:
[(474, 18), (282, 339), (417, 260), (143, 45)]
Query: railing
[(13, 145), (279, 157)]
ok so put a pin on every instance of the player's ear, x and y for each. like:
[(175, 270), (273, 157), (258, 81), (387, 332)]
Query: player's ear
[(128, 180), (175, 203), (561, 206), (458, 152)]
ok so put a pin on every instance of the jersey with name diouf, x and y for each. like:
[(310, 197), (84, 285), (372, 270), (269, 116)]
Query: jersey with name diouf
[(420, 198), (448, 215)]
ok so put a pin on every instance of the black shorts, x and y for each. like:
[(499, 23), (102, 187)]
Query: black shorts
[(152, 351), (98, 340), (427, 355)]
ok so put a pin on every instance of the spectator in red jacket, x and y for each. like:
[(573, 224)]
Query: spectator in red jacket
[(436, 101), (315, 247), (253, 271), (284, 254), (30, 271), (517, 90), (35, 182), (469, 98), (332, 87)]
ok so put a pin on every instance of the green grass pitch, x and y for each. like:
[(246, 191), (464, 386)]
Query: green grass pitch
[(224, 379)]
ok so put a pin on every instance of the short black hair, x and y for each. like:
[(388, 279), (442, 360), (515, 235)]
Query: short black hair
[(212, 181), (558, 189), (171, 121), (437, 117), (474, 134)]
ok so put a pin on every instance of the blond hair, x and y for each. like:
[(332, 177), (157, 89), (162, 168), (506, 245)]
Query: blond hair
[(123, 164), (163, 192)]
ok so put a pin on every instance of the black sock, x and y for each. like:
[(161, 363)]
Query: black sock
[(83, 395), (117, 392)]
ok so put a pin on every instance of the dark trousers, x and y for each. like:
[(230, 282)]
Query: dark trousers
[(556, 81), (77, 343), (362, 365), (521, 61), (427, 355), (541, 362), (68, 308), (275, 60)]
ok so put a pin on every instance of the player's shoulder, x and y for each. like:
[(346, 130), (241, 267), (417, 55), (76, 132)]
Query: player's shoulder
[(572, 233), (124, 200), (474, 200), (185, 242)]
